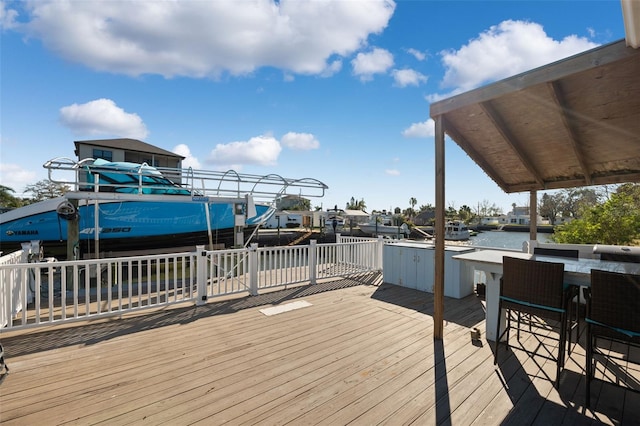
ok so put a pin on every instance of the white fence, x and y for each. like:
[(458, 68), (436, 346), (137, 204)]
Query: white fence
[(44, 293), (11, 296)]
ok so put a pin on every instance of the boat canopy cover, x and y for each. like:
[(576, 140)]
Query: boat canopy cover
[(130, 178)]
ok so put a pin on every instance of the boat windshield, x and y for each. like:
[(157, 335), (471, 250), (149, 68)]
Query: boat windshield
[(130, 178)]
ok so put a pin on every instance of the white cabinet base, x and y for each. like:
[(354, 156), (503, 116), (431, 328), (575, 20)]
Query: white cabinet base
[(412, 265)]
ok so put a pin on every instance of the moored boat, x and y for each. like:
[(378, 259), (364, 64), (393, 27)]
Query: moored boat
[(382, 225), (456, 230), (118, 206)]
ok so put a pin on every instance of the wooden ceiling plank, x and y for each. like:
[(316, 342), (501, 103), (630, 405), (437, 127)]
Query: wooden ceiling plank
[(515, 144), (570, 124), (599, 56), (590, 98), (453, 133)]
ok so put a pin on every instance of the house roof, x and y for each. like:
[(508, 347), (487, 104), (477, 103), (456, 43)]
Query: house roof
[(575, 122), (129, 145), (355, 213)]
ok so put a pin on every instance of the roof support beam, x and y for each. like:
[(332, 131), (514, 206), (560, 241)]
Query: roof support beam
[(610, 179), (508, 136), (471, 152), (533, 215), (438, 281), (570, 123), (631, 16)]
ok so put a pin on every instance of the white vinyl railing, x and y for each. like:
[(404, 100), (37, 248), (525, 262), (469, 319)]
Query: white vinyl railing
[(49, 292), (11, 286), (55, 292)]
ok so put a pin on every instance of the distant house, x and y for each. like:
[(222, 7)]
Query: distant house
[(519, 216), (129, 150), (561, 220), (491, 220)]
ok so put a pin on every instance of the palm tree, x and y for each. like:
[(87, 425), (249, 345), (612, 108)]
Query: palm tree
[(356, 205), (7, 199), (412, 203)]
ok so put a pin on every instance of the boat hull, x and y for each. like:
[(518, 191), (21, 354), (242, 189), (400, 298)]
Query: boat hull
[(371, 229), (462, 236), (123, 225)]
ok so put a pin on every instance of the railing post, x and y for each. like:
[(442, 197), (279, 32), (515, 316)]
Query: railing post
[(253, 269), (201, 275), (528, 246), (313, 260), (379, 254), (26, 251), (29, 251)]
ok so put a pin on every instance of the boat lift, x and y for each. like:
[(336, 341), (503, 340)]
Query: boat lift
[(134, 182)]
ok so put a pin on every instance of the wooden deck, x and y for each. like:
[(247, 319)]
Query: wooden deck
[(362, 353)]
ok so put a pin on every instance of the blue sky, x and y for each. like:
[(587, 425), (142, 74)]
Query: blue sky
[(333, 90)]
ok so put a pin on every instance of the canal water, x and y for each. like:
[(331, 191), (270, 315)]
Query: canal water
[(504, 239)]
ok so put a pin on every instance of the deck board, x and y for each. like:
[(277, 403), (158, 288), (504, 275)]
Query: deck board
[(360, 354)]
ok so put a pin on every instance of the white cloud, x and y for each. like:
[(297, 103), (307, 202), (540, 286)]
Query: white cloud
[(102, 116), (300, 141), (408, 77), (206, 38), (190, 160), (425, 129), (16, 178), (259, 150), (392, 172), (333, 68), (7, 17), (504, 50), (417, 54), (365, 65)]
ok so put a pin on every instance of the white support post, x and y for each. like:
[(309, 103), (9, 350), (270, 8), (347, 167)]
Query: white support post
[(201, 275), (313, 260), (379, 251), (96, 218), (253, 269)]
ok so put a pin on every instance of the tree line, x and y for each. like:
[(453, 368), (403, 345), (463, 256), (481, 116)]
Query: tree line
[(39, 191), (612, 219), (599, 215)]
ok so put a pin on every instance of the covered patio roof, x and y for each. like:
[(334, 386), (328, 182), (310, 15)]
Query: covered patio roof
[(572, 123), (575, 122)]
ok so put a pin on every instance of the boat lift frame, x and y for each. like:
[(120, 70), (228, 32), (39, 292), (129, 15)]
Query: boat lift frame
[(242, 190)]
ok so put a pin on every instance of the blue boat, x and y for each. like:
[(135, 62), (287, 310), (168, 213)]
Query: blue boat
[(117, 207)]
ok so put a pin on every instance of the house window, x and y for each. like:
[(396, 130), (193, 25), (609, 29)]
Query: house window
[(101, 153)]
